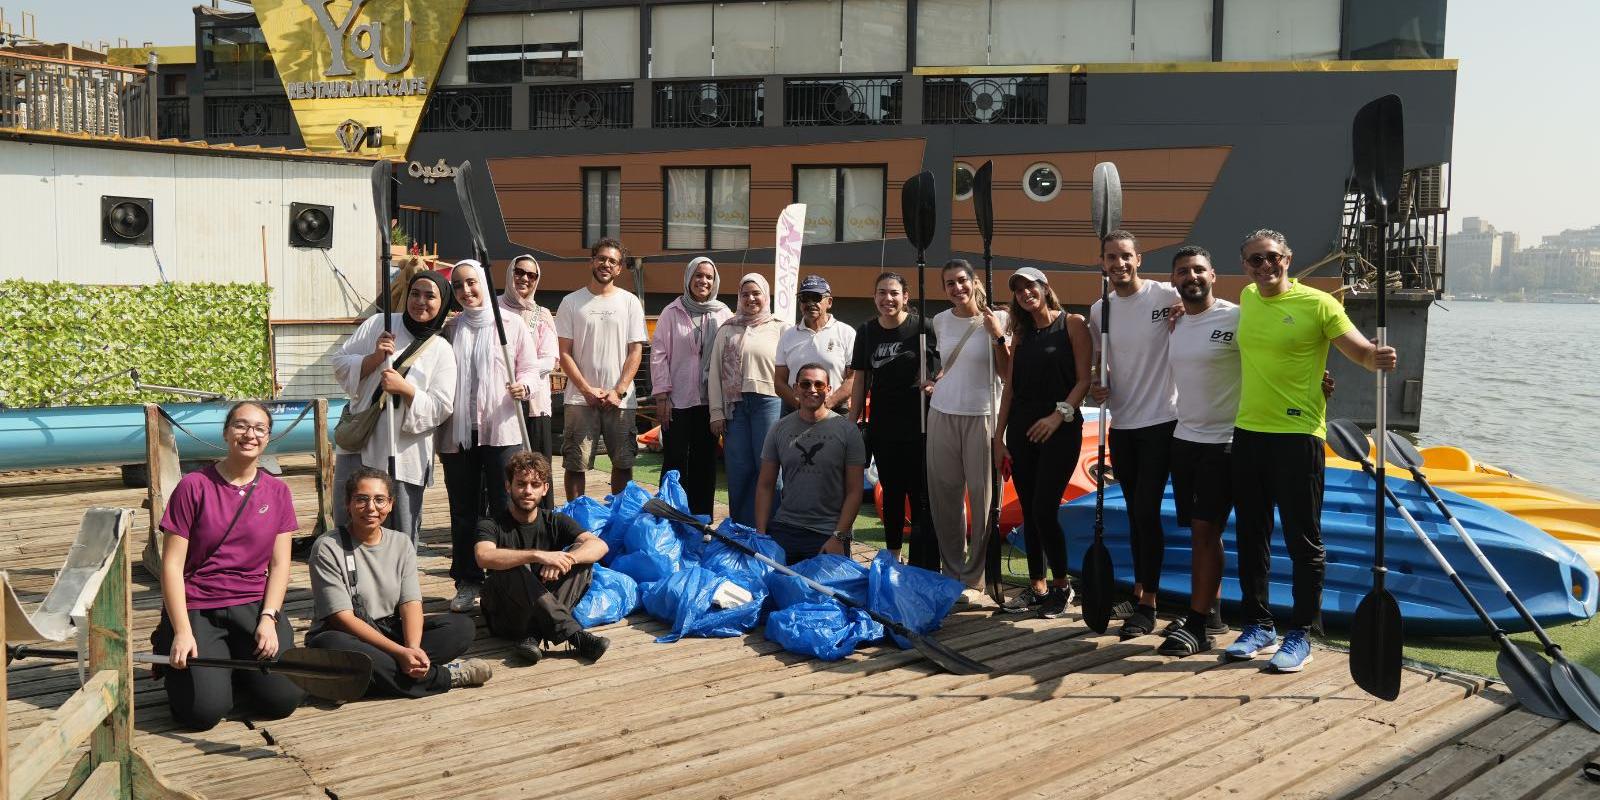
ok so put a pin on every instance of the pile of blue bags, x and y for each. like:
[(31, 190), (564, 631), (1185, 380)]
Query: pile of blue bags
[(674, 574)]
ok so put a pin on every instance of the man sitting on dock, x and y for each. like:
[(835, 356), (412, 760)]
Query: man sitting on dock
[(538, 565), (821, 457)]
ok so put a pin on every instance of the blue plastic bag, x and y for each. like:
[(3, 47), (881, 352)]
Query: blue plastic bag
[(835, 572), (651, 534), (684, 599), (689, 537), (644, 566), (827, 631), (911, 596), (589, 513), (612, 595), (722, 559), (624, 510)]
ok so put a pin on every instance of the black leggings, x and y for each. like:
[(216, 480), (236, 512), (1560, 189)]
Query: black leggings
[(468, 474), (444, 638), (689, 446), (1282, 470), (540, 438), (1142, 460), (902, 473), (201, 696), (1041, 472)]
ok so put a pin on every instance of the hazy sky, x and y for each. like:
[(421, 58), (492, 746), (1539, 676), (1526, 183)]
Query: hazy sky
[(1526, 117)]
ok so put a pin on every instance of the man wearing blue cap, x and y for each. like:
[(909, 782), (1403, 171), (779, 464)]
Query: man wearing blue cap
[(820, 338)]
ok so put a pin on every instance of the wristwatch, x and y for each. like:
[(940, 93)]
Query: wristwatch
[(843, 536), (1000, 340)]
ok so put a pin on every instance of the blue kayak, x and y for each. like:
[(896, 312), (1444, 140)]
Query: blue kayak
[(1551, 579), (70, 436)]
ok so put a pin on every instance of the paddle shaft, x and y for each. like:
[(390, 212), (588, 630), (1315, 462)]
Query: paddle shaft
[(481, 250), (23, 651), (922, 342), (992, 557), (1105, 418), (1382, 399), (381, 204)]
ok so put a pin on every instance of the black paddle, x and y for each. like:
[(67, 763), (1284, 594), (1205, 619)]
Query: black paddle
[(1574, 684), (329, 674), (1098, 590), (983, 206), (380, 208), (481, 252), (1378, 150), (918, 215), (948, 660)]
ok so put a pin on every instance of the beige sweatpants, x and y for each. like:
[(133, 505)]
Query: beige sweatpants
[(959, 451)]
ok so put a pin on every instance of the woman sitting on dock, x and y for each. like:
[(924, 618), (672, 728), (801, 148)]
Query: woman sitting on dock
[(426, 388), (224, 569), (367, 600)]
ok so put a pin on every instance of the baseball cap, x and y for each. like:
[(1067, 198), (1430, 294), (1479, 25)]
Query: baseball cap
[(815, 285), (1029, 273)]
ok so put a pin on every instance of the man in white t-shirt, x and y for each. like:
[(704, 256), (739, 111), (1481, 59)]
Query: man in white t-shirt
[(820, 338), (1203, 353), (601, 333), (1143, 405)]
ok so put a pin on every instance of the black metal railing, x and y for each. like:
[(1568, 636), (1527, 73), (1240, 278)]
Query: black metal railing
[(172, 118), (486, 109), (596, 105), (984, 100), (73, 97), (247, 115), (842, 101), (421, 224), (708, 104)]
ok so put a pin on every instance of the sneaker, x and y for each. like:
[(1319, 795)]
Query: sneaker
[(469, 672), (1294, 653), (530, 649), (976, 597), (589, 646), (1055, 603), (1182, 642), (1254, 640), (466, 598), (1024, 601)]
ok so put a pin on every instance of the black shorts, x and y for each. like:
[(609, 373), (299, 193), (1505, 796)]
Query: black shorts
[(1202, 482)]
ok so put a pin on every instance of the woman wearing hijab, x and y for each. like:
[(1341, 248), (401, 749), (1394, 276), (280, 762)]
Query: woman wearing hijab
[(522, 280), (425, 384), (484, 430), (679, 350), (744, 403)]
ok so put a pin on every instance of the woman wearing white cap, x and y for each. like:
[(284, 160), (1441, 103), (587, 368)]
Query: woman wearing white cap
[(679, 352), (744, 402), (522, 281)]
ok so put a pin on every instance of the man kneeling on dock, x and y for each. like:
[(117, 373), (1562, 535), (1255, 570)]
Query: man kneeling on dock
[(538, 566)]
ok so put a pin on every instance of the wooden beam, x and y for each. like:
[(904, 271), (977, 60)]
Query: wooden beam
[(5, 741), (104, 782), (66, 728), (163, 471), (324, 453), (110, 651)]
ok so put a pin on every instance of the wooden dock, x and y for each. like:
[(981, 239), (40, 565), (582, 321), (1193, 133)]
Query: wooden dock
[(1067, 714)]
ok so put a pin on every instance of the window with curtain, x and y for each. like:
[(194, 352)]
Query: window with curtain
[(806, 37), (494, 48), (610, 44), (708, 208), (602, 204), (1172, 30), (742, 35), (680, 41), (1280, 30), (843, 204), (873, 35), (952, 33)]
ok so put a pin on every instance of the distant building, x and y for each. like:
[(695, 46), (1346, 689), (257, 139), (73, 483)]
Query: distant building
[(1475, 254), (1559, 269), (1575, 239)]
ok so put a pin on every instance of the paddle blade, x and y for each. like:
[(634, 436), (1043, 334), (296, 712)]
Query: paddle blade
[(917, 209), (1378, 149), (1106, 211), (1348, 441), (1375, 645), (1403, 451), (943, 657), (983, 201), (380, 201), (1097, 587), (469, 210), (1530, 681), (1580, 688), (329, 674)]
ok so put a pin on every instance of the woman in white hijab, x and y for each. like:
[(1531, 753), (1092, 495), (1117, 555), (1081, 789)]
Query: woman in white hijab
[(522, 281), (744, 402), (678, 355), (484, 430)]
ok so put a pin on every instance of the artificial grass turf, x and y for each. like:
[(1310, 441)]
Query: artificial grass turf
[(1475, 654)]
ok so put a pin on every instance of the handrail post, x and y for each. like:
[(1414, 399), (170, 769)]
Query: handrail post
[(324, 451), (163, 469), (110, 648), (5, 740), (151, 80)]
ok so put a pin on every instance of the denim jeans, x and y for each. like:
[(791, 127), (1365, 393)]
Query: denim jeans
[(748, 423)]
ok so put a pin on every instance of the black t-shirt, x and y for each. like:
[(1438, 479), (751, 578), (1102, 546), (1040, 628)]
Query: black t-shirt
[(888, 357), (549, 531), (1043, 371)]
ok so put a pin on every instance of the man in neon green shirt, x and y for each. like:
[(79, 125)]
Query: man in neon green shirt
[(1284, 331)]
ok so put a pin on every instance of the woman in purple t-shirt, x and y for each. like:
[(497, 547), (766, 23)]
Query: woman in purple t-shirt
[(224, 570)]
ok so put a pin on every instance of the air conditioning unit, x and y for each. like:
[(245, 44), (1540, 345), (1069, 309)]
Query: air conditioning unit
[(1422, 191)]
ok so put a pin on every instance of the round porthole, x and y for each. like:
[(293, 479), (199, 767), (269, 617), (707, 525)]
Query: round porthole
[(963, 179), (1042, 182)]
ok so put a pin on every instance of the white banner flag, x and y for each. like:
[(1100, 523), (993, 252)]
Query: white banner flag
[(786, 271)]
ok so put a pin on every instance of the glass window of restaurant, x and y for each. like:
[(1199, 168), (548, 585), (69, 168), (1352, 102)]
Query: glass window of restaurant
[(602, 204), (708, 208), (1396, 29), (598, 44), (843, 204), (1280, 30), (1023, 32), (790, 37), (236, 58)]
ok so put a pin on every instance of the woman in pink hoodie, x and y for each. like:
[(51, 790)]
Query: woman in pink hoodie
[(522, 281), (683, 337), (484, 429)]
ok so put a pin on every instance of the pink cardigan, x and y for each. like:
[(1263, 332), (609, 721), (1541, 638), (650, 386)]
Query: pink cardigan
[(675, 367)]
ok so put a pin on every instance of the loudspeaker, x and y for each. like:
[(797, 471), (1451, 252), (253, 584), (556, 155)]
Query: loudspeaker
[(127, 220), (310, 225)]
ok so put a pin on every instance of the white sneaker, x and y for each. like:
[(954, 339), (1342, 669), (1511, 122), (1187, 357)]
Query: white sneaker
[(976, 597), (469, 672), (466, 599)]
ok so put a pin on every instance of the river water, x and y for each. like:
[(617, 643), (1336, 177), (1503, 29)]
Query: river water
[(1517, 385)]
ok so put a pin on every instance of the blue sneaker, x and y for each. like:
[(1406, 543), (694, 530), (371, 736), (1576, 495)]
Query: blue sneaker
[(1294, 653), (1254, 640)]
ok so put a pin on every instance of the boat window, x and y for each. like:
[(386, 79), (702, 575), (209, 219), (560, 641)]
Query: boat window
[(602, 204), (1280, 30), (1396, 29), (963, 180), (708, 208), (1041, 182), (843, 204)]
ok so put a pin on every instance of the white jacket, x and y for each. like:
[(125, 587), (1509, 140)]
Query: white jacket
[(432, 373)]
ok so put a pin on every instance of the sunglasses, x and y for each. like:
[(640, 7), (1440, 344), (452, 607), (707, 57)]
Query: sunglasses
[(811, 297), (1257, 259), (811, 385), (522, 273)]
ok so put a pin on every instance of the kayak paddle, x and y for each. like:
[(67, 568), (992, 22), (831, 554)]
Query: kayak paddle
[(329, 674), (381, 180), (1378, 150), (948, 660), (983, 207), (1106, 210), (917, 215), (1575, 684)]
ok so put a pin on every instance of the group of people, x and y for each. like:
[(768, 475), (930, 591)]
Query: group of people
[(1227, 400)]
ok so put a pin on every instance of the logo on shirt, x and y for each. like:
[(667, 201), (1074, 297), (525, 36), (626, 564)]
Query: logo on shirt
[(885, 354), (1288, 319), (1159, 314), (262, 509), (808, 453), (1221, 336), (1293, 412)]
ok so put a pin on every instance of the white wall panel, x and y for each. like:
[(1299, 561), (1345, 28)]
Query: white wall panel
[(27, 204), (305, 285), (83, 174)]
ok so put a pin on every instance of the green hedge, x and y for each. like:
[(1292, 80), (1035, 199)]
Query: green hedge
[(57, 336)]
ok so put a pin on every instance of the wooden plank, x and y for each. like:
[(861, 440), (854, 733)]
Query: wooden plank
[(1539, 766), (5, 680), (1453, 765), (326, 491), (68, 726), (1573, 787), (105, 783), (111, 650)]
